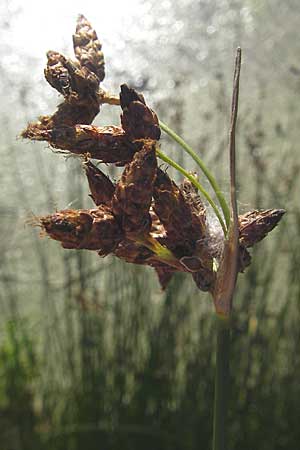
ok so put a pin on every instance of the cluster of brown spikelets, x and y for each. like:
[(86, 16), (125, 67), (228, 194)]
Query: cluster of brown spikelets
[(145, 218)]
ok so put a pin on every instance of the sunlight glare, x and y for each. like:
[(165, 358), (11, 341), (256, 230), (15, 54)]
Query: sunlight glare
[(38, 28)]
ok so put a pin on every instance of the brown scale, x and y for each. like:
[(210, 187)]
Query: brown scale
[(132, 197), (91, 229), (101, 187), (138, 120)]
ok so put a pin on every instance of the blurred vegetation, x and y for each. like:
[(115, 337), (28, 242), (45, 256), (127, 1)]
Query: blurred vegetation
[(92, 353)]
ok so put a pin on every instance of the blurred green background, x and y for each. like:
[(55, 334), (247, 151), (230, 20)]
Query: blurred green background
[(92, 354)]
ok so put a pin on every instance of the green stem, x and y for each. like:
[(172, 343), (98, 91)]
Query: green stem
[(221, 384), (203, 167), (196, 183)]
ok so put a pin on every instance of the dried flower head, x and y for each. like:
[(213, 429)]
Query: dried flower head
[(184, 225), (138, 120), (87, 48), (133, 194), (107, 144), (78, 81), (94, 229), (145, 218), (255, 225)]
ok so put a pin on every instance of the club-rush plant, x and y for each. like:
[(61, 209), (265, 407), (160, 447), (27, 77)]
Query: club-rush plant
[(146, 218)]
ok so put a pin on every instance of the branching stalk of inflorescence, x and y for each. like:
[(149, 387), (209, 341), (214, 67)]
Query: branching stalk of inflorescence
[(203, 167)]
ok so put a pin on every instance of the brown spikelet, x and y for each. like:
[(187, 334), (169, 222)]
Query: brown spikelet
[(102, 189), (138, 120), (255, 225), (91, 229), (69, 78), (82, 102), (78, 85), (175, 214), (87, 47), (132, 197), (107, 144)]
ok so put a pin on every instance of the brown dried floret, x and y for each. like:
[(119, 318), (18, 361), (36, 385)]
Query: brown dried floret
[(138, 120), (107, 144), (101, 187), (87, 47), (91, 229), (255, 225), (132, 198), (176, 216)]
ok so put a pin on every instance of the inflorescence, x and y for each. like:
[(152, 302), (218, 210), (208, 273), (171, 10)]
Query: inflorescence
[(145, 218)]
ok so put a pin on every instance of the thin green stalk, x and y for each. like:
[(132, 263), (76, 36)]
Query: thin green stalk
[(221, 384), (203, 167), (196, 183)]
